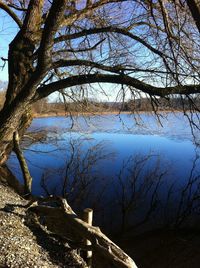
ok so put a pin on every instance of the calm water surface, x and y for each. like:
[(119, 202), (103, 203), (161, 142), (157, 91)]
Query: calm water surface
[(133, 172)]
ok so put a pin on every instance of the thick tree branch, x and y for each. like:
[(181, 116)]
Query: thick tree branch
[(32, 22), (52, 24), (44, 91), (20, 62), (194, 6)]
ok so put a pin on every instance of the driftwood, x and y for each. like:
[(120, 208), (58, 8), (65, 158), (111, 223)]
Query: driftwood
[(101, 244), (88, 218)]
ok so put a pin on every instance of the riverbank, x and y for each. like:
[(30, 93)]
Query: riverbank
[(117, 112), (37, 115), (23, 243)]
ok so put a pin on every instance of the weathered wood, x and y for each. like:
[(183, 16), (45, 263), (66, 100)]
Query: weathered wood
[(101, 244), (88, 218)]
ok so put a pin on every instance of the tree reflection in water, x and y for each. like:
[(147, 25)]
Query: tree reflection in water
[(142, 194), (140, 201)]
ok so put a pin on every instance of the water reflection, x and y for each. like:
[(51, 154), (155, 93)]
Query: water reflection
[(129, 185), (174, 125)]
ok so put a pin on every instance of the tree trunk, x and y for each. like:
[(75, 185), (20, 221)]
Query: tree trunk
[(12, 120), (23, 81), (194, 6)]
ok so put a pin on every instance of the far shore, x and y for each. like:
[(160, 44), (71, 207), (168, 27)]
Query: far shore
[(57, 114)]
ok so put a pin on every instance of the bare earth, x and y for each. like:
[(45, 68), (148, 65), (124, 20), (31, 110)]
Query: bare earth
[(22, 242)]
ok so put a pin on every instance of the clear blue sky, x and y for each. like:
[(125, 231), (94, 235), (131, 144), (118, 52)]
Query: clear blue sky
[(8, 30)]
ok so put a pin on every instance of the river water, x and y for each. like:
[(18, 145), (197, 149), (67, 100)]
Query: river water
[(134, 172)]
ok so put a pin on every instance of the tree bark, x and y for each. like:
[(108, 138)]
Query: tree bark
[(194, 6), (23, 79), (11, 121)]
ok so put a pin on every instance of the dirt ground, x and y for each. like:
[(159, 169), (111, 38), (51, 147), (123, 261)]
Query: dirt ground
[(22, 242)]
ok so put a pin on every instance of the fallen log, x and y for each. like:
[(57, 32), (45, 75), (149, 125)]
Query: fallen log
[(101, 244)]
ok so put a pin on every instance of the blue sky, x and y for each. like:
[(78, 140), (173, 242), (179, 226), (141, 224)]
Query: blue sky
[(8, 30)]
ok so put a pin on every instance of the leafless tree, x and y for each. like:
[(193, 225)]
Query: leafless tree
[(147, 47), (80, 173)]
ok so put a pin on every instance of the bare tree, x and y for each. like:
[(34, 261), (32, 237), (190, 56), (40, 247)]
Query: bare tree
[(147, 47)]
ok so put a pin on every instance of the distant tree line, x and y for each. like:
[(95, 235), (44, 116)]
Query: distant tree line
[(136, 105), (83, 106), (43, 106), (161, 104)]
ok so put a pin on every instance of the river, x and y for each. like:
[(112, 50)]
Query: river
[(134, 172)]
